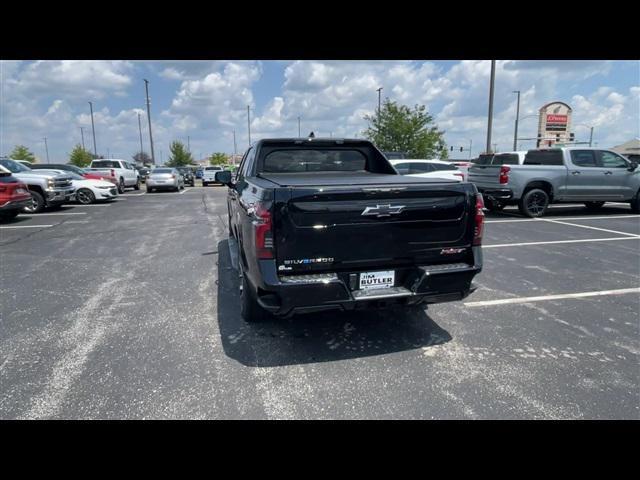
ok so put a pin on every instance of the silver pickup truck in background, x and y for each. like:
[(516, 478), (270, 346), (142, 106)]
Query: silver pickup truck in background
[(570, 174)]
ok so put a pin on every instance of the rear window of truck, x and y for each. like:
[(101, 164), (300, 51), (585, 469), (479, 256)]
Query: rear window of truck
[(105, 164), (316, 160), (544, 157)]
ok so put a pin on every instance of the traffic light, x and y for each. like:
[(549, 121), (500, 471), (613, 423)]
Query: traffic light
[(572, 137)]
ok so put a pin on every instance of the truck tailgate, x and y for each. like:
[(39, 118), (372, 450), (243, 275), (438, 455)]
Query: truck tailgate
[(485, 175), (338, 227)]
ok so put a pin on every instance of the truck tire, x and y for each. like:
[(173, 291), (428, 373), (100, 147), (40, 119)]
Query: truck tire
[(204, 184), (250, 311), (149, 189), (121, 186), (38, 203), (85, 196), (635, 203), (534, 203), (137, 185), (593, 205)]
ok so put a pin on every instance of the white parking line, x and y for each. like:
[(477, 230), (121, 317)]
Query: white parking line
[(76, 221), (523, 244), (589, 227), (563, 218), (25, 226), (507, 301), (131, 195), (94, 205), (50, 214), (185, 190)]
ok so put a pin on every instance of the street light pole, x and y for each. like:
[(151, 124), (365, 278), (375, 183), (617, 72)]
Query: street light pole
[(298, 126), (490, 119), (82, 134), (146, 88), (140, 130), (188, 143), (515, 135), (93, 129), (235, 148), (470, 145), (249, 124), (591, 136), (46, 148), (379, 106)]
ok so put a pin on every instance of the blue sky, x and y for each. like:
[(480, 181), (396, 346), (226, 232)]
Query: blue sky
[(206, 100)]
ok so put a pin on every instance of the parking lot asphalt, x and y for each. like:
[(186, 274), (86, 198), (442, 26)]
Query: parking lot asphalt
[(131, 310)]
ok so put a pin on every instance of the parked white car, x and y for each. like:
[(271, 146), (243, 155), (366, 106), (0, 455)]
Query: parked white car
[(209, 175), (124, 172), (89, 190), (428, 169)]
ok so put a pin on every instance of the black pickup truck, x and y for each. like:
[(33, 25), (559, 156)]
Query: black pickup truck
[(325, 224)]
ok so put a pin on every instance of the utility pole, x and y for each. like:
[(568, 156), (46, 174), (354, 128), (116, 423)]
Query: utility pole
[(515, 134), (93, 129), (82, 134), (379, 106), (146, 87), (188, 143), (108, 153), (249, 124), (235, 147), (495, 148), (591, 137), (140, 130), (490, 119), (470, 145), (46, 148), (298, 126)]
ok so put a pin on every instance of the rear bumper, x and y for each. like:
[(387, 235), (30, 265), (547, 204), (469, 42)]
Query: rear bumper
[(19, 204), (496, 193), (283, 297)]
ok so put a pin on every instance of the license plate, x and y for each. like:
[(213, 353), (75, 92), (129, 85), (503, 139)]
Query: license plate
[(375, 280)]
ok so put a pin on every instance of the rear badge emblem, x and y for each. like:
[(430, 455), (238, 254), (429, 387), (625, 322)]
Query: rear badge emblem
[(383, 210), (451, 251)]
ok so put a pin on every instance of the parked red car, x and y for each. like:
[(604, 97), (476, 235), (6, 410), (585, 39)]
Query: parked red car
[(14, 195), (68, 168)]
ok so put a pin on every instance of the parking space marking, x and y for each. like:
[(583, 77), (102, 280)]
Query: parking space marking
[(76, 221), (131, 195), (507, 301), (94, 205), (563, 218), (25, 226), (524, 244), (185, 190), (50, 214), (587, 226)]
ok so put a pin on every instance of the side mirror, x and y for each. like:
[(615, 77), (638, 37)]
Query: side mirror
[(633, 166), (223, 177)]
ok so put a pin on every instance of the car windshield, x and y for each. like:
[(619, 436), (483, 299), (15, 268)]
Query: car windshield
[(13, 166), (162, 170), (317, 160)]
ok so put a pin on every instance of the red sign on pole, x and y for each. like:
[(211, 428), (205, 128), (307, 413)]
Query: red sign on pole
[(556, 118)]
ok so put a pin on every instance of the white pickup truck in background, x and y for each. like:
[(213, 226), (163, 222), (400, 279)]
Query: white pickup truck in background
[(209, 175), (124, 172)]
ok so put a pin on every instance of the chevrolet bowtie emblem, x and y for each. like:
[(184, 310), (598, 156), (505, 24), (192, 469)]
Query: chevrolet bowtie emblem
[(383, 210)]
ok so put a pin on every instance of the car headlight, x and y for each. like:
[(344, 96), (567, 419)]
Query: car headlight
[(50, 183)]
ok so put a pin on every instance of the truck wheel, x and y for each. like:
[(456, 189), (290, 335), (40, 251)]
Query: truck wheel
[(149, 189), (635, 203), (249, 309), (204, 184), (85, 196), (137, 185), (534, 203), (593, 205), (38, 203), (121, 186)]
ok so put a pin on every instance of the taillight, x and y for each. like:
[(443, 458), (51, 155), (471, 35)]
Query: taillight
[(264, 234), (113, 172), (504, 174), (173, 175), (479, 220)]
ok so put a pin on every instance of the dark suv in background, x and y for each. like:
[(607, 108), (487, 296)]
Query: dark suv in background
[(188, 176)]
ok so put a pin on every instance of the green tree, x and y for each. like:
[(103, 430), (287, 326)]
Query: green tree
[(180, 156), (401, 129), (20, 152), (80, 157), (218, 158), (142, 157)]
